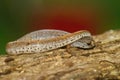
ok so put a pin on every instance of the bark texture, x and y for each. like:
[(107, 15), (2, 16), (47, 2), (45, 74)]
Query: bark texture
[(100, 63)]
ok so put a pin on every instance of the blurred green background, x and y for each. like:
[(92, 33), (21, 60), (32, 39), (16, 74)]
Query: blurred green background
[(18, 17)]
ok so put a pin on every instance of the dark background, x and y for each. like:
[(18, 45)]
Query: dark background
[(18, 17)]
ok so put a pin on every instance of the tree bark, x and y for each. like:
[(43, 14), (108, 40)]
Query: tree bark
[(100, 63)]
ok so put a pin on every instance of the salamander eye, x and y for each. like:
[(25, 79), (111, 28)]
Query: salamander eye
[(88, 43)]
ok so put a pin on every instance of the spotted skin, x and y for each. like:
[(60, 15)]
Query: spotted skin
[(49, 39)]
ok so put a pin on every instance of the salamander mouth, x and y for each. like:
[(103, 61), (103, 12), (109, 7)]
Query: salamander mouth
[(90, 46), (86, 42)]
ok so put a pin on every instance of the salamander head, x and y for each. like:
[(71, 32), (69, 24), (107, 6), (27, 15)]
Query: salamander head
[(86, 42)]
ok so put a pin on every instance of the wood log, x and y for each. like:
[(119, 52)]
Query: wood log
[(100, 63)]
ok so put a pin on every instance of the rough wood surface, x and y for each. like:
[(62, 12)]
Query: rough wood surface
[(99, 63)]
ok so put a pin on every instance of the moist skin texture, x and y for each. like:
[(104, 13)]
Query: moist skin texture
[(49, 39)]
